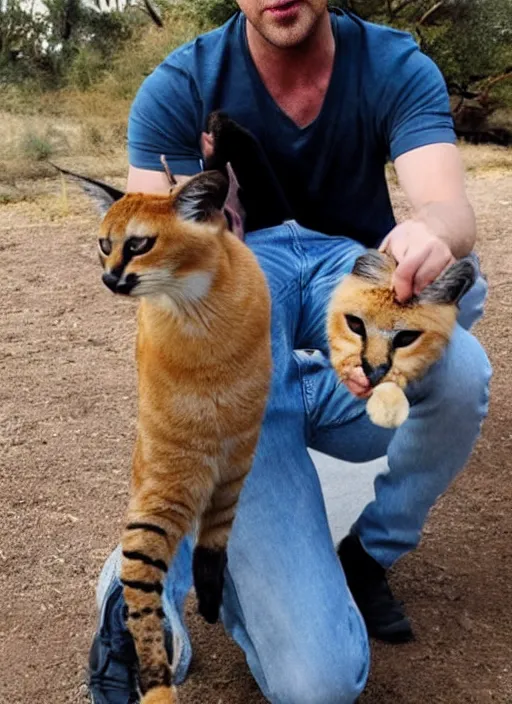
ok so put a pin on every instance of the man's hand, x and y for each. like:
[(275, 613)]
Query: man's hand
[(421, 255)]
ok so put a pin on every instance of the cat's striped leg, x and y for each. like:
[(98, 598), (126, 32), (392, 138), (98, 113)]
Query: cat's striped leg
[(154, 528), (210, 553)]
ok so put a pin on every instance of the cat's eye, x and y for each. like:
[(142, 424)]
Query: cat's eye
[(140, 245), (105, 246), (356, 325), (404, 338)]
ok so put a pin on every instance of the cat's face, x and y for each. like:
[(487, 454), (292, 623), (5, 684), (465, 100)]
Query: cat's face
[(152, 245), (392, 342)]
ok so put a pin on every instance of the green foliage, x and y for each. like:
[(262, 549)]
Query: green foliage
[(21, 35), (469, 40), (75, 43), (148, 47), (66, 38), (86, 67), (214, 12), (476, 41), (37, 148)]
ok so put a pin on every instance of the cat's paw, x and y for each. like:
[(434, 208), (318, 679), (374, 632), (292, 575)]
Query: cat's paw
[(160, 695), (208, 569), (388, 405)]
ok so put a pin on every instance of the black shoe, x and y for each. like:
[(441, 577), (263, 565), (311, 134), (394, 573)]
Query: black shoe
[(112, 658), (384, 616)]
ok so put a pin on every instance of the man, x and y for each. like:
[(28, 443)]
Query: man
[(330, 98)]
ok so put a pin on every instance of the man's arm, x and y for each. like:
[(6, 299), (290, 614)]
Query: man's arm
[(146, 181), (442, 227)]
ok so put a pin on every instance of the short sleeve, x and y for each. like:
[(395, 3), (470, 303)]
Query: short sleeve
[(417, 107), (165, 119)]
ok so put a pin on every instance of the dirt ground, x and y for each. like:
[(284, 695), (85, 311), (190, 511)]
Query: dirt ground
[(67, 409)]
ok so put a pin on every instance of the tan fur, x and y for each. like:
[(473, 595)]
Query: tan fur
[(388, 405), (160, 695), (204, 366), (375, 304)]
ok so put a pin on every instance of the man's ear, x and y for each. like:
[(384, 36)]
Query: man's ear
[(201, 198), (101, 193), (452, 284)]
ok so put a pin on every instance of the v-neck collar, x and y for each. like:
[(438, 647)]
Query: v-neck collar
[(332, 89)]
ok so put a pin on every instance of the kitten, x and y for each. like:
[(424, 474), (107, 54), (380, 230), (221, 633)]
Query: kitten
[(394, 343)]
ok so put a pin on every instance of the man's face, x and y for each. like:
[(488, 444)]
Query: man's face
[(284, 23)]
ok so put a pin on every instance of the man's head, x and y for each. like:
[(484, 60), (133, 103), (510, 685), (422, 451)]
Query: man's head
[(284, 23)]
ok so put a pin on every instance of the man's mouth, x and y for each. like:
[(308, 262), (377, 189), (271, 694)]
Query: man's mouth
[(284, 8)]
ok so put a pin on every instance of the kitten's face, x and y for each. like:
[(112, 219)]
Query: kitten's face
[(392, 342), (152, 245)]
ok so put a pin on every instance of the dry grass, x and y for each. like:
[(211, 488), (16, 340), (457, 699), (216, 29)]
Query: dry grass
[(84, 130), (486, 157)]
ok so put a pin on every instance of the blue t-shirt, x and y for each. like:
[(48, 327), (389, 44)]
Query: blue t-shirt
[(385, 98)]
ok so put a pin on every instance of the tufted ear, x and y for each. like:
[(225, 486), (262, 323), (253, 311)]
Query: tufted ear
[(452, 284), (101, 193), (374, 266), (201, 198)]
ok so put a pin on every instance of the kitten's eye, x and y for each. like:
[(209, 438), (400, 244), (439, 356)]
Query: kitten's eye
[(405, 338), (356, 325), (140, 245), (105, 246)]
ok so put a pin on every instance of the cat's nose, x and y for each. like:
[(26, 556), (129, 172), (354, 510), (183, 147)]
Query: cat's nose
[(118, 285), (110, 280), (375, 374)]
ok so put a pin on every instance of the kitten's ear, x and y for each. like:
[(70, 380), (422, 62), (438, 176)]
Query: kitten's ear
[(452, 284), (201, 198), (374, 266), (101, 193)]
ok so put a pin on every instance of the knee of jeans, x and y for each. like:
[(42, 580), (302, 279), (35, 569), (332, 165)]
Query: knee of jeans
[(318, 680), (462, 377)]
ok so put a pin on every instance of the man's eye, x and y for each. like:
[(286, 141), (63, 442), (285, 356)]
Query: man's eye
[(140, 245), (356, 325), (405, 338), (105, 246)]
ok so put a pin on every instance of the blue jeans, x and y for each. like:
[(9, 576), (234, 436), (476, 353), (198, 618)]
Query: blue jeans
[(286, 601)]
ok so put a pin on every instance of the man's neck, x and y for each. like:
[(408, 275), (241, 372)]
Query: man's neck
[(290, 68)]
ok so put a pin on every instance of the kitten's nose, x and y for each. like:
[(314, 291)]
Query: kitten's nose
[(375, 374), (117, 286), (110, 280)]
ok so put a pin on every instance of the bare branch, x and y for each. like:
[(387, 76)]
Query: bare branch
[(428, 14), (168, 172), (484, 98), (153, 13)]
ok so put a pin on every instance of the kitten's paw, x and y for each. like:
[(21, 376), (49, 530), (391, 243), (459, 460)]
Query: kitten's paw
[(160, 695), (208, 568), (388, 406)]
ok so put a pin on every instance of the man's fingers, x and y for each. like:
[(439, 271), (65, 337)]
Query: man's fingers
[(431, 269), (384, 245), (398, 245), (403, 278)]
